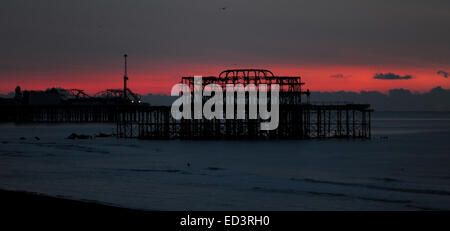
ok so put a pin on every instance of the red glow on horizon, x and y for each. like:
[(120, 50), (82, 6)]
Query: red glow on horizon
[(160, 80)]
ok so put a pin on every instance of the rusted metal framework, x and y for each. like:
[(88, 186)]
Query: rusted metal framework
[(298, 119), (79, 94), (290, 87), (119, 94)]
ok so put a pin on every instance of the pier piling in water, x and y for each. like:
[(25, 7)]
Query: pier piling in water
[(296, 122)]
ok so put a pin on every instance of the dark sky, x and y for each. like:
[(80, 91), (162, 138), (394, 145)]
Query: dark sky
[(64, 42)]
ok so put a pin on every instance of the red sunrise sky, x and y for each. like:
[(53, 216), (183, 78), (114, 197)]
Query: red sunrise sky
[(160, 78), (79, 44)]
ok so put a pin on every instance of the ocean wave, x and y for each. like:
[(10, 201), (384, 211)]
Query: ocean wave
[(377, 187), (329, 194)]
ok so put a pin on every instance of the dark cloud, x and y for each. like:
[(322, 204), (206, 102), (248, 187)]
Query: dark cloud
[(395, 100), (391, 76), (443, 73)]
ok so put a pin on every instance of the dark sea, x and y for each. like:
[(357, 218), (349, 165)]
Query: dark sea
[(404, 166)]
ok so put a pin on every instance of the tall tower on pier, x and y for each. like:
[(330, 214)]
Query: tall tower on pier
[(125, 78)]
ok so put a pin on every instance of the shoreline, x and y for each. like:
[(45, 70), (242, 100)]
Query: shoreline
[(36, 205)]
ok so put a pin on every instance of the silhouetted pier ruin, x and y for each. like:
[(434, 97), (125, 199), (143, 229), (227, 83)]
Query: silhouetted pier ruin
[(298, 118)]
